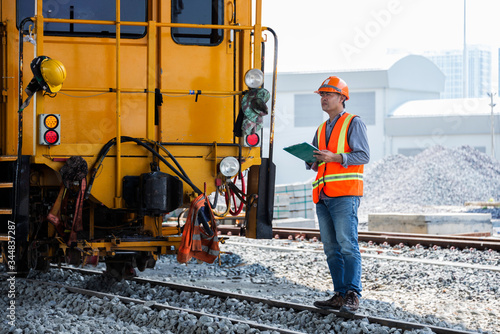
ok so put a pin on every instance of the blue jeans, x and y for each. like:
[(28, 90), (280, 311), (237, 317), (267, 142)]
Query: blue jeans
[(338, 223)]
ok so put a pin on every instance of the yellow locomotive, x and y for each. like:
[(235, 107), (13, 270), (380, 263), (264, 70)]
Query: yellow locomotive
[(115, 113)]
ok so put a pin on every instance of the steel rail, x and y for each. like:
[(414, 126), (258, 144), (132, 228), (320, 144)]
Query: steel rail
[(393, 323), (373, 256), (443, 241), (409, 239)]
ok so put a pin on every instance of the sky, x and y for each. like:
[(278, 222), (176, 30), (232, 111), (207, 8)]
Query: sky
[(318, 35)]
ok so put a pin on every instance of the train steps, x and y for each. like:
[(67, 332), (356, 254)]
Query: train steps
[(7, 173)]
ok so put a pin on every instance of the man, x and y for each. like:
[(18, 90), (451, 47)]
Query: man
[(342, 151)]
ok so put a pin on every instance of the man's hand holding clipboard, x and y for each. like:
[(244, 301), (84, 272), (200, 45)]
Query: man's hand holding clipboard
[(327, 156), (303, 151), (311, 154)]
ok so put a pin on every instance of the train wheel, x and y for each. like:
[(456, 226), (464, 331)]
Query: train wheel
[(16, 261), (145, 261), (120, 270), (73, 257), (37, 259)]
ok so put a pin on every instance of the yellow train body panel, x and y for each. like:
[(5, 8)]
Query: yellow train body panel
[(170, 86)]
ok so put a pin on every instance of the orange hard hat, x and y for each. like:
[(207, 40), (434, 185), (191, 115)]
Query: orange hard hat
[(335, 85)]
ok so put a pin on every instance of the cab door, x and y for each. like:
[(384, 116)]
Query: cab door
[(197, 73)]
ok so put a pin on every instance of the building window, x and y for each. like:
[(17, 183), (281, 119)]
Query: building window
[(410, 152), (362, 104), (308, 110), (198, 12), (131, 10)]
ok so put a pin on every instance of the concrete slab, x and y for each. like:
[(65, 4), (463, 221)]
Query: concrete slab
[(496, 228), (295, 222), (437, 223)]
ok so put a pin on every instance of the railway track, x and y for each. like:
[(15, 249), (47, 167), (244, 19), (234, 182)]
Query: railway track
[(409, 239), (365, 253), (273, 306), (161, 306)]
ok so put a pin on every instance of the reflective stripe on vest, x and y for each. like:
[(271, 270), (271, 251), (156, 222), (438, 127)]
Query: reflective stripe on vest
[(333, 179), (338, 177), (195, 242)]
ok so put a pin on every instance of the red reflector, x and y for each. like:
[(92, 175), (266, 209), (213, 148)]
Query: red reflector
[(51, 137), (252, 139)]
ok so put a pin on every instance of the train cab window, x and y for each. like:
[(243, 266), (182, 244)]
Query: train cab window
[(130, 10), (198, 12)]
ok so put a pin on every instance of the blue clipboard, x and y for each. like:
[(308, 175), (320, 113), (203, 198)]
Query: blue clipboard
[(303, 151)]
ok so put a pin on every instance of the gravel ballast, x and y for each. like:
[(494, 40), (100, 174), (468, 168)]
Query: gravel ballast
[(459, 298), (437, 180)]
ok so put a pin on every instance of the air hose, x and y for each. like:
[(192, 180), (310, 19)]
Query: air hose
[(105, 150), (220, 189), (234, 192)]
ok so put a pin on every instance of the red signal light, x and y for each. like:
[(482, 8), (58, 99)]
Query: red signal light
[(252, 140), (51, 137)]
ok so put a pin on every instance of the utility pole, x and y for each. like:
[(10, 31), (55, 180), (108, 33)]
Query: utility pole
[(492, 105), (465, 64)]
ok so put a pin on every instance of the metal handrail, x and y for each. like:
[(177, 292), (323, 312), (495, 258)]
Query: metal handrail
[(163, 91), (273, 101), (159, 24)]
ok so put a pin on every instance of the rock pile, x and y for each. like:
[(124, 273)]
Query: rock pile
[(437, 176)]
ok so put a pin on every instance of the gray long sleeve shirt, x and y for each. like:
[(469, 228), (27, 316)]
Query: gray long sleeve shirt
[(356, 138)]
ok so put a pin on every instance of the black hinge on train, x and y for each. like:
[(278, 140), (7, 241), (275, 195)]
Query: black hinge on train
[(158, 103)]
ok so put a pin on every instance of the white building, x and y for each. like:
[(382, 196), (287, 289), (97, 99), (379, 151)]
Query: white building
[(478, 71), (417, 125), (375, 95)]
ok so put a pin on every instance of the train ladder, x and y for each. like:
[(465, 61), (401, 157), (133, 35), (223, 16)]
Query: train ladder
[(7, 169)]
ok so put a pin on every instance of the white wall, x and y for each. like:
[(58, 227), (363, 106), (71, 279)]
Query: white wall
[(393, 86), (480, 142), (289, 169)]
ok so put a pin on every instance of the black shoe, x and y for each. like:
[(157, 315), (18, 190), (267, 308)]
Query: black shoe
[(351, 302), (335, 302)]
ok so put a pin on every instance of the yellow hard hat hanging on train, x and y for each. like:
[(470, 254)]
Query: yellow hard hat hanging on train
[(53, 73), (48, 75)]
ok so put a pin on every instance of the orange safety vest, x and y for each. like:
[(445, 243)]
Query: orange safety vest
[(332, 177), (195, 242)]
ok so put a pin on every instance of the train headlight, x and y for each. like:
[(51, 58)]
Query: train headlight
[(49, 129), (229, 166), (254, 78)]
